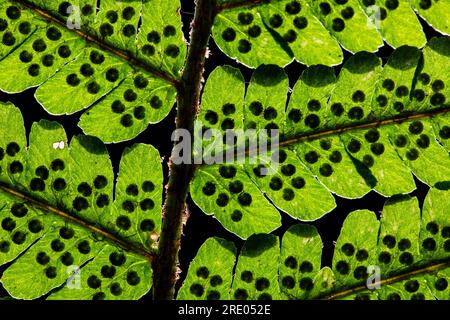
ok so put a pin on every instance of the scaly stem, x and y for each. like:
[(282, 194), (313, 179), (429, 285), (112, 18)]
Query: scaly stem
[(188, 100)]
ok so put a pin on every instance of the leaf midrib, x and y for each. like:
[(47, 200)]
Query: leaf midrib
[(122, 55), (107, 235), (433, 266), (312, 136)]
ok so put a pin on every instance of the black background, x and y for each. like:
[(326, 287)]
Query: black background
[(199, 226)]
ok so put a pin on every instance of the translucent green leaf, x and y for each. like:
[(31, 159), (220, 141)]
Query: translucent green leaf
[(122, 63), (210, 277), (59, 207)]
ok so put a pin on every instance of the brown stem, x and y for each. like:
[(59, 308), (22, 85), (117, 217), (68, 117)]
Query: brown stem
[(189, 89)]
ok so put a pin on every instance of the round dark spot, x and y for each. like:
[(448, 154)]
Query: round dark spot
[(389, 241), (222, 200), (16, 167), (368, 161), (401, 141), (3, 24), (117, 259), (37, 185), (25, 56), (245, 18), (394, 296), (360, 273), (402, 91), (391, 4), (337, 109), (5, 246), (388, 84), (291, 262), (42, 258), (347, 13), (128, 206), (335, 157), (25, 27), (229, 35), (325, 8), (48, 60), (197, 290), (437, 85), (64, 51), (254, 31), (362, 255), (412, 154), (84, 189), (342, 267), (354, 146), (63, 8), (53, 34), (57, 245), (276, 183), (236, 187), (377, 148), (34, 70), (244, 46), (66, 233), (441, 284), (295, 115), (399, 106), (419, 95), (423, 141), (73, 80), (8, 224), (425, 4), (209, 189), (123, 223), (102, 201), (432, 227), (116, 289), (293, 7), (50, 272), (429, 244), (67, 259), (84, 247), (411, 286), (112, 75), (288, 282), (99, 296), (348, 249), (338, 24), (358, 96), (300, 23), (314, 105), (108, 271), (100, 182), (228, 109), (94, 282), (96, 57), (172, 51), (8, 39), (13, 12), (241, 294), (372, 135), (382, 100), (298, 183), (147, 204), (290, 36), (262, 284), (406, 258), (356, 113), (147, 225), (437, 99), (236, 216), (306, 284), (87, 10), (288, 194), (156, 102), (133, 278), (148, 50), (424, 78), (384, 257), (326, 170), (445, 233), (312, 121), (306, 267), (35, 226), (276, 21), (203, 272), (93, 87)]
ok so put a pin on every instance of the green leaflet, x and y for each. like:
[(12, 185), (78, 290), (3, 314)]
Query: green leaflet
[(310, 31), (125, 78), (338, 136), (410, 247), (212, 277), (42, 183)]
